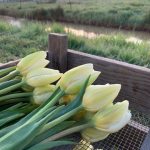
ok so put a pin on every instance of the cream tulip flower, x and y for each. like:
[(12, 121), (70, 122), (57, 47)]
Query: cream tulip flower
[(93, 135), (33, 61), (98, 97), (42, 76), (41, 94), (113, 118), (72, 81)]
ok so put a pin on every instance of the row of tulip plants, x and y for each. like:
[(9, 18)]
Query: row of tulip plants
[(41, 106)]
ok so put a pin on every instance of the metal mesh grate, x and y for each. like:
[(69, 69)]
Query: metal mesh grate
[(129, 138), (140, 117), (84, 145)]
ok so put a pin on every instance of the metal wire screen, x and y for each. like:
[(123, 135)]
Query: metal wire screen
[(140, 117), (130, 137)]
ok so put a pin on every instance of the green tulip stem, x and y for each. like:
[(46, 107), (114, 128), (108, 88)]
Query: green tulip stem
[(51, 103), (7, 70), (6, 84), (27, 109), (69, 131), (68, 111), (16, 95), (60, 119), (11, 88), (15, 100), (9, 76)]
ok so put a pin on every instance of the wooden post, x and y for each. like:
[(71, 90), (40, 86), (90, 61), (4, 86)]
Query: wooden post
[(57, 51)]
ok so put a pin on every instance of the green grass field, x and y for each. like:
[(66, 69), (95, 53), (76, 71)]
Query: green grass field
[(128, 14), (18, 42)]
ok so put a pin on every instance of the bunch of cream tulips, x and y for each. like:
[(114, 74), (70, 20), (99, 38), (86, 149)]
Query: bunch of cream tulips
[(40, 106)]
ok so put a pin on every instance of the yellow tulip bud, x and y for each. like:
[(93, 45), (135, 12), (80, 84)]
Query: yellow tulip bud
[(33, 61), (73, 80), (42, 76), (41, 94), (79, 115), (66, 99), (83, 115), (94, 135), (97, 97), (114, 118)]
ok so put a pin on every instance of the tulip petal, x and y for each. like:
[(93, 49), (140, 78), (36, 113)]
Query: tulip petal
[(37, 64), (94, 76), (73, 79), (114, 118), (123, 122), (31, 59), (94, 135), (42, 76), (41, 94), (97, 97)]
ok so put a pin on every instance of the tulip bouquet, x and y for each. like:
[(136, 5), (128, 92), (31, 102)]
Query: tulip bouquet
[(41, 106)]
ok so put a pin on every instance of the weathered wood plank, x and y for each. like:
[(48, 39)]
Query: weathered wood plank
[(146, 143), (9, 64), (135, 80), (57, 51)]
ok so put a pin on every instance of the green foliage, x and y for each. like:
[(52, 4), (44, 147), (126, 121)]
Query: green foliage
[(147, 20), (57, 28), (22, 42), (4, 27), (113, 47), (32, 30), (33, 37)]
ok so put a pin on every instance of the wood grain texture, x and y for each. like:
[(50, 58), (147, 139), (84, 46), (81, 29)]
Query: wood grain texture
[(9, 64), (135, 80), (146, 143), (57, 51)]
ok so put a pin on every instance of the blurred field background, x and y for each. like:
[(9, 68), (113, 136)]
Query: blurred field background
[(126, 14), (17, 42)]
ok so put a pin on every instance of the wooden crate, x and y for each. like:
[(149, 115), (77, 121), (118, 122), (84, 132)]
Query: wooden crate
[(135, 82)]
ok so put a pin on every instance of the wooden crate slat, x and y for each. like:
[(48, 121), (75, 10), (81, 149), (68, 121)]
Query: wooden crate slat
[(9, 64), (135, 80)]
